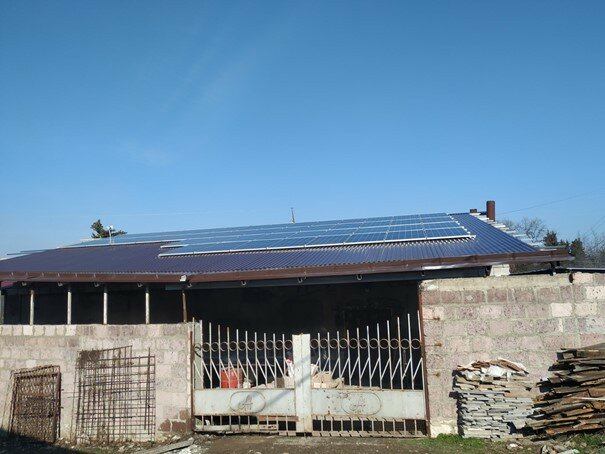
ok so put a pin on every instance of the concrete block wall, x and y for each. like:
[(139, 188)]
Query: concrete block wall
[(521, 318), (29, 346)]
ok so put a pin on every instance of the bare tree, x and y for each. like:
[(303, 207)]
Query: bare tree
[(533, 228)]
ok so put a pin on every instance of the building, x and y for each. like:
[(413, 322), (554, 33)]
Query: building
[(344, 326)]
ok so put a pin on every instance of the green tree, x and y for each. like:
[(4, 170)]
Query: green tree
[(550, 239), (576, 248), (99, 231)]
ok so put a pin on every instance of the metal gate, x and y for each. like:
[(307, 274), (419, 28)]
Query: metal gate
[(36, 403), (366, 381)]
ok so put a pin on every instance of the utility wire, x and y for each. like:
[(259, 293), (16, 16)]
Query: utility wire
[(553, 201)]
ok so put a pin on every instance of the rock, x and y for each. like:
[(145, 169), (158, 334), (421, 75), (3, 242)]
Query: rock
[(570, 451)]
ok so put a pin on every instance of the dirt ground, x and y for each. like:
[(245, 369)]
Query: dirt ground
[(239, 444)]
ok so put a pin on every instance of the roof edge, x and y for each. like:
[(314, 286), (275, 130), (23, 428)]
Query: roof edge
[(329, 270)]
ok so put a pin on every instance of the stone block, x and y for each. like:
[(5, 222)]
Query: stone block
[(100, 331), (70, 330), (481, 343), (433, 329), (595, 292), (17, 330), (546, 326), (579, 292), (567, 294), (561, 309), (507, 345), (524, 295), (513, 310), (474, 327), (549, 294), (568, 324), (522, 327), (474, 296), (587, 340), (454, 329), (50, 330), (163, 371), (28, 330), (430, 297), (433, 312), (582, 278), (500, 328), (497, 295), (531, 343), (451, 297), (590, 325), (467, 312), (586, 309), (457, 345), (490, 311)]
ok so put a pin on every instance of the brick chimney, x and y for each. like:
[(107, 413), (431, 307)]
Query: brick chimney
[(490, 208)]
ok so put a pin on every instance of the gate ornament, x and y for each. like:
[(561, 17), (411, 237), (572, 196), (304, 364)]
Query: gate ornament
[(360, 403), (247, 402)]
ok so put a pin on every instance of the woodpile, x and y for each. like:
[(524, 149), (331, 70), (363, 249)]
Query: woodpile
[(574, 397), (494, 398)]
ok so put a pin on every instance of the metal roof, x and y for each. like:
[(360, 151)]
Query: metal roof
[(489, 245)]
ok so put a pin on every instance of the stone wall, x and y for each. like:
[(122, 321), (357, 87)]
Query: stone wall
[(38, 345), (521, 318)]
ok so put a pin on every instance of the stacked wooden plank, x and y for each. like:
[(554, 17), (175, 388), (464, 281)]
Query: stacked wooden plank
[(574, 396), (494, 398)]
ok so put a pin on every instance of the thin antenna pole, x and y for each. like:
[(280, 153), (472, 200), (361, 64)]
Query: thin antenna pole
[(293, 218)]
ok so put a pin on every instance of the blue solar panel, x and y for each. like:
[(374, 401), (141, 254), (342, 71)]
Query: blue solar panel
[(301, 235)]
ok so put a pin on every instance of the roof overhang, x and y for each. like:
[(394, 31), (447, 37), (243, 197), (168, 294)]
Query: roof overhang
[(555, 255)]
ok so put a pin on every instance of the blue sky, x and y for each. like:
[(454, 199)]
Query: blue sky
[(157, 115)]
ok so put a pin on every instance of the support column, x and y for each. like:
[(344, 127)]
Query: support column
[(69, 304), (1, 307), (31, 306), (184, 298), (147, 314), (301, 358), (105, 301)]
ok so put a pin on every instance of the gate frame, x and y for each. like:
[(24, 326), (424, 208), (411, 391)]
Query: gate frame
[(301, 395)]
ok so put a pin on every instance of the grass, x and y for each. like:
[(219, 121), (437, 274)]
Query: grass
[(443, 444), (589, 443)]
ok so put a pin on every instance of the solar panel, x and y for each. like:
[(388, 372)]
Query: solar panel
[(301, 235)]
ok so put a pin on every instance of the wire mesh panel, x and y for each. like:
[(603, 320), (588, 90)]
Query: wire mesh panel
[(36, 403), (115, 394)]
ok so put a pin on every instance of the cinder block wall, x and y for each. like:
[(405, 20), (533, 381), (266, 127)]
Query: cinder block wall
[(521, 318), (30, 346)]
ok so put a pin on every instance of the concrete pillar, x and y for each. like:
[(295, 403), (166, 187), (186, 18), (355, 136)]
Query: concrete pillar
[(147, 314), (184, 298), (69, 304), (1, 307), (31, 306), (301, 358), (105, 303)]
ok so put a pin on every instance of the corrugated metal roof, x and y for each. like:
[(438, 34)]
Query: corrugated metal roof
[(143, 258)]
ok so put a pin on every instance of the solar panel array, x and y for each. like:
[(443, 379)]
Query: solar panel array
[(293, 236)]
